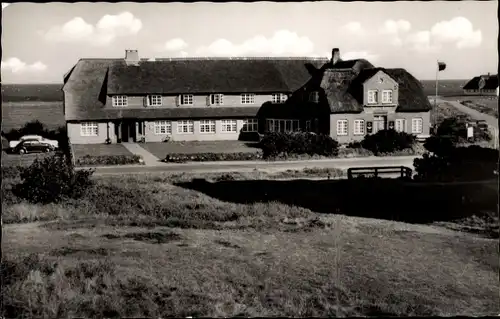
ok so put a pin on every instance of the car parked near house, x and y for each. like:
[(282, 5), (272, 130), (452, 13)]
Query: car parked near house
[(32, 146), (13, 144)]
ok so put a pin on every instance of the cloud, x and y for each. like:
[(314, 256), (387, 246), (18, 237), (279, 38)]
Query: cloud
[(283, 42), (175, 44), (351, 55), (458, 32), (395, 27), (107, 29), (353, 27), (17, 66)]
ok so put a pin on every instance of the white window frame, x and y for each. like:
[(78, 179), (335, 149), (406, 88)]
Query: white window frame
[(314, 97), (387, 96), (415, 127), (342, 127), (216, 99), (89, 129), (400, 125), (188, 124), (154, 100), (251, 125), (288, 125), (207, 126), (120, 100), (162, 127), (248, 98), (188, 97), (359, 127), (278, 98), (229, 126), (372, 96)]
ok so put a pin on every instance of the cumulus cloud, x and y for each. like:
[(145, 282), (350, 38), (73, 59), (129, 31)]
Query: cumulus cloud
[(175, 44), (107, 29), (15, 65), (395, 27), (283, 42), (458, 32), (353, 27), (351, 55)]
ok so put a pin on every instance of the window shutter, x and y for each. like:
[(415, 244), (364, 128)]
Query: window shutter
[(208, 99), (145, 101), (178, 100)]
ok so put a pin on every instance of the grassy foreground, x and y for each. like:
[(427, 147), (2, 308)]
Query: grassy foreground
[(151, 245)]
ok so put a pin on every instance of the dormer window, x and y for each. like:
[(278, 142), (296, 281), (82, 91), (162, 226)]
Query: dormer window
[(120, 100), (314, 97), (387, 96), (186, 99), (278, 98), (216, 99), (154, 100), (372, 96)]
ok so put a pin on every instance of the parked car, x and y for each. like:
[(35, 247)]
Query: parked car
[(32, 146), (13, 144)]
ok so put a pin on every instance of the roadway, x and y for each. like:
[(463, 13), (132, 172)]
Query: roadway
[(248, 166)]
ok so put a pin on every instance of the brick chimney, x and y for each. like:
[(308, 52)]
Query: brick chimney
[(335, 56), (132, 57)]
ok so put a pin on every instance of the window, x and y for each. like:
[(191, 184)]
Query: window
[(416, 126), (163, 127), (386, 96), (120, 100), (283, 126), (251, 125), (279, 98), (342, 127), (207, 126), (154, 100), (216, 99), (372, 96), (186, 99), (400, 125), (247, 98), (185, 126), (359, 127), (89, 129), (229, 126), (314, 97)]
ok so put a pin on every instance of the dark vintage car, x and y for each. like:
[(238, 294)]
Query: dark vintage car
[(32, 146)]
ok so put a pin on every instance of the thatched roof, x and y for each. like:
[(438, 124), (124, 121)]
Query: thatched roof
[(91, 80), (490, 83)]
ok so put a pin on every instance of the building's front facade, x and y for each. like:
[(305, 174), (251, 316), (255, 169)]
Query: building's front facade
[(483, 85), (132, 100)]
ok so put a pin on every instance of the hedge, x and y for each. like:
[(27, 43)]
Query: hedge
[(284, 144), (88, 160), (212, 157)]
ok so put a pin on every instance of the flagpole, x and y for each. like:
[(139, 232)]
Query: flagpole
[(435, 98)]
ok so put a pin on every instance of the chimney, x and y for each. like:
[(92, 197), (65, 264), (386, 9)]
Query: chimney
[(132, 57), (335, 56)]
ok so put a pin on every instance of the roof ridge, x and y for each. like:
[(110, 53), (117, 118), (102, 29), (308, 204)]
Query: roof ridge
[(240, 58)]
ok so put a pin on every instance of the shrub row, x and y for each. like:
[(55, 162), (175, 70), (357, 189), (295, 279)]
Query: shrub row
[(212, 157), (279, 144), (91, 160)]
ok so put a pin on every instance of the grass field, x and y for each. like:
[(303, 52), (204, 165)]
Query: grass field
[(81, 150), (446, 87), (163, 245), (487, 105), (16, 114), (160, 150), (32, 92)]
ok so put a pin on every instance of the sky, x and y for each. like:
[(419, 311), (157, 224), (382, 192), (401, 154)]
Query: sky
[(41, 42)]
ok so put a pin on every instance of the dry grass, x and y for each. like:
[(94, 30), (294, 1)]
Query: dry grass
[(143, 247)]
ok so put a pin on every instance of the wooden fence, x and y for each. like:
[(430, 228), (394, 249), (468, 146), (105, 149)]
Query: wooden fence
[(405, 172)]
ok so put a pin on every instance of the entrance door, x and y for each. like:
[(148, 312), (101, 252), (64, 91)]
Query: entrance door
[(379, 123), (128, 131)]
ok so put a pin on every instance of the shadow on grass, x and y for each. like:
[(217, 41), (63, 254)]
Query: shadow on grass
[(388, 199)]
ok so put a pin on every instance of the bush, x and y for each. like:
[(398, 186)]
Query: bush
[(90, 160), (388, 141), (212, 157), (278, 144), (458, 164), (52, 179)]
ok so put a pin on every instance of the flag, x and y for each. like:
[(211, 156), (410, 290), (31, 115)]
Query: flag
[(441, 66)]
